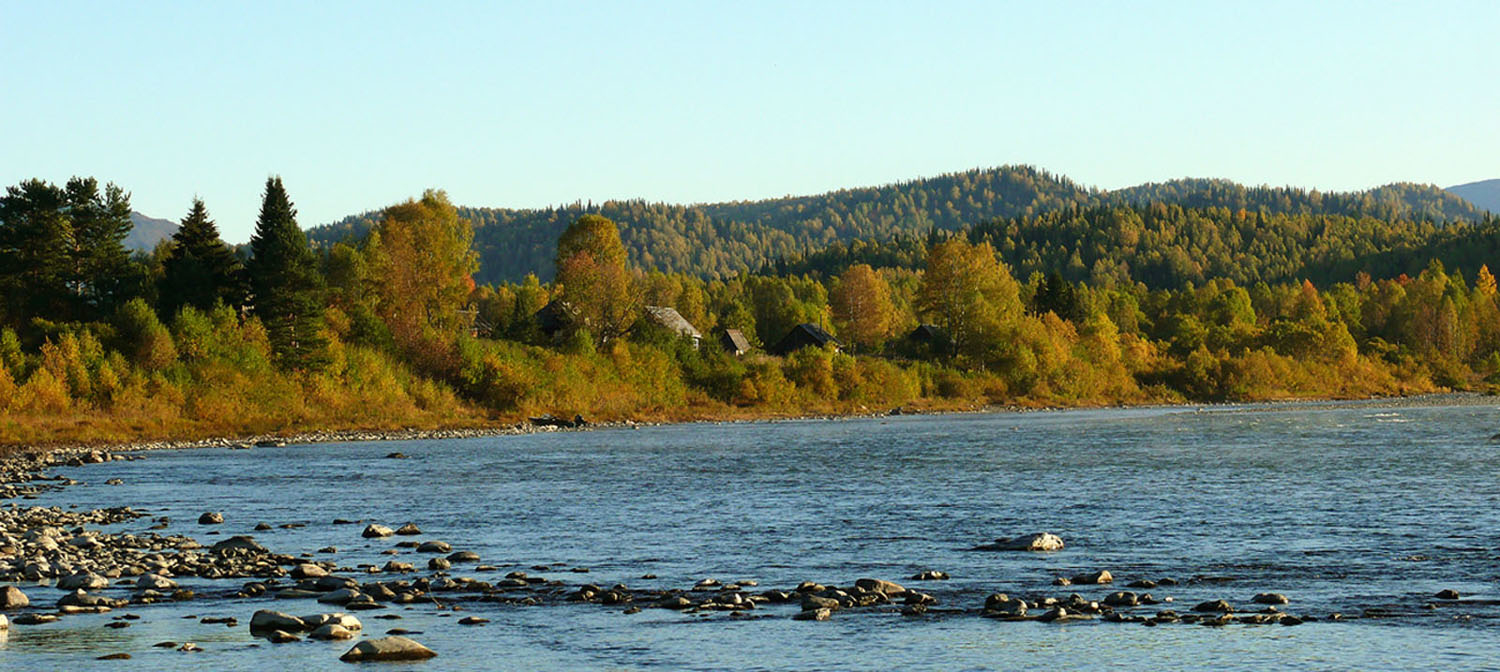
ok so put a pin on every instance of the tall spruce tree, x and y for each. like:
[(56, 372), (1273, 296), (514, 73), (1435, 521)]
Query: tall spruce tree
[(200, 270), (103, 276), (35, 239), (62, 253), (284, 283)]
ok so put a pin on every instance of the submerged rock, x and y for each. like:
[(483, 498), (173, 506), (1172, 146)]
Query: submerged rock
[(211, 518), (1447, 594)]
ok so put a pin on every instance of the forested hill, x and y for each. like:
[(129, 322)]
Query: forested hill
[(1402, 200), (722, 239)]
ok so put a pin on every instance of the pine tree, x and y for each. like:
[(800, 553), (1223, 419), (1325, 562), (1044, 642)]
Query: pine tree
[(284, 283), (200, 270), (103, 276), (35, 240)]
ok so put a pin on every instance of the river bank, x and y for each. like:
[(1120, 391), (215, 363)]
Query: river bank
[(514, 427)]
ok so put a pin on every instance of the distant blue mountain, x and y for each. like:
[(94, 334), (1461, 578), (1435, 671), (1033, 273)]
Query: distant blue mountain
[(146, 232), (1484, 194)]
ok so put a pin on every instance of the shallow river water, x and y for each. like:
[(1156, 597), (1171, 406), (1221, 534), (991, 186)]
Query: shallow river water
[(1344, 508)]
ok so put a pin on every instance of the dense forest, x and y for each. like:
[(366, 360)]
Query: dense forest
[(1080, 301), (718, 241)]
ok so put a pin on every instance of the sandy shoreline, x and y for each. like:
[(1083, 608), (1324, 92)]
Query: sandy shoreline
[(515, 429)]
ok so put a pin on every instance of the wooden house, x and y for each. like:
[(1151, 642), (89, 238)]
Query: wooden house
[(804, 335)]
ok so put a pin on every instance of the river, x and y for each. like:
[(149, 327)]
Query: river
[(1355, 508)]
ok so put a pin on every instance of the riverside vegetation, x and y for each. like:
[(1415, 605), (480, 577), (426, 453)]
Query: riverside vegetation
[(1162, 294)]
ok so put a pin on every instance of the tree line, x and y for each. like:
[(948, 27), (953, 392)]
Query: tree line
[(392, 329)]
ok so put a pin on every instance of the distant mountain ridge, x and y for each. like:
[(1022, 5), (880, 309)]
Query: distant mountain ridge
[(1484, 194), (719, 240), (147, 232)]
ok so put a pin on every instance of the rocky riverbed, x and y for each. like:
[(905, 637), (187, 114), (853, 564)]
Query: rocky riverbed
[(58, 563)]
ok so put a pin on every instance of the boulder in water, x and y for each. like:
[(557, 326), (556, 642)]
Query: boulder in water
[(331, 632), (265, 619), (1094, 578), (888, 588), (1039, 541), (11, 597), (374, 531), (394, 647)]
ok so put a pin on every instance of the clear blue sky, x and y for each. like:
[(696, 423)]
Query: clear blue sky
[(361, 104)]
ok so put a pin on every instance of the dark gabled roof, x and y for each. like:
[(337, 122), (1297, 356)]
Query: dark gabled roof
[(671, 319), (802, 336), (553, 317), (734, 340), (927, 332)]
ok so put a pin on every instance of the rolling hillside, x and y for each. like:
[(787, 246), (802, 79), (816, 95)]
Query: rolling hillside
[(722, 239)]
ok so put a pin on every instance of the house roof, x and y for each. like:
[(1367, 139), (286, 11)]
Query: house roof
[(803, 335), (669, 317), (735, 340), (927, 332)]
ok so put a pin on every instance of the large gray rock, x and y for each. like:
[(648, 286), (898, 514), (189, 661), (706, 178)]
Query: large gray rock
[(1040, 541), (813, 614), (409, 529), (1004, 606), (342, 596), (211, 518), (155, 582), (1270, 598), (811, 602), (265, 619), (238, 542), (11, 597), (83, 581), (434, 546), (1094, 578), (308, 570), (888, 588), (341, 619), (78, 598), (331, 632), (394, 647), (374, 531)]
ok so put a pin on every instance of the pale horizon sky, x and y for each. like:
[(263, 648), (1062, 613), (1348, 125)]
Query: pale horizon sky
[(358, 105)]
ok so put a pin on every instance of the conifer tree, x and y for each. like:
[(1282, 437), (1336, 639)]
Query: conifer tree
[(103, 277), (200, 270), (284, 283), (35, 237)]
